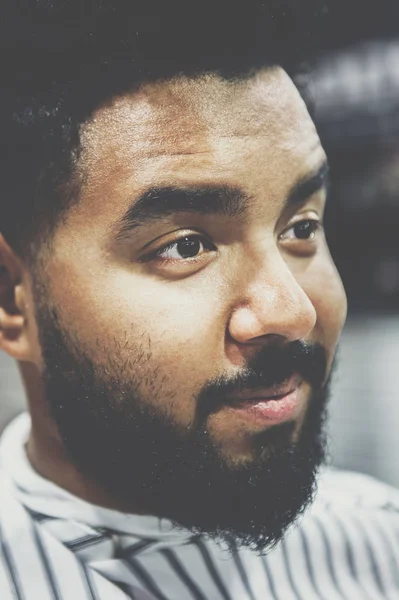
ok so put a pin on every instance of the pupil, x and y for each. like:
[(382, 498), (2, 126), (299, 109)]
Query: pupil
[(303, 230), (188, 247)]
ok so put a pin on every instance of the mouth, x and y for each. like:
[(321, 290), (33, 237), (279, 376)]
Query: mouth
[(274, 404)]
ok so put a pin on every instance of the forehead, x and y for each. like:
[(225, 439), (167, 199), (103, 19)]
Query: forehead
[(203, 130)]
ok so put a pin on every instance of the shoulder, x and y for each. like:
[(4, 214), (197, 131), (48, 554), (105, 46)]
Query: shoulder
[(357, 505), (348, 490), (349, 538)]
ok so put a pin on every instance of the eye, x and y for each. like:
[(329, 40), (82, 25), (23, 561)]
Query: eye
[(304, 230), (184, 249)]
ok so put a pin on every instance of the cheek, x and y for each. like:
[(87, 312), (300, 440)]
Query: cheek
[(180, 320), (120, 315), (324, 288)]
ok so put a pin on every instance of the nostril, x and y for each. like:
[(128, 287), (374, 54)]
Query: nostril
[(286, 320)]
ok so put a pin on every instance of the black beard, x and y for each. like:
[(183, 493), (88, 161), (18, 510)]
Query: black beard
[(115, 437)]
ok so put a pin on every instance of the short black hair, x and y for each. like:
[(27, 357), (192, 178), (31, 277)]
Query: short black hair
[(61, 59)]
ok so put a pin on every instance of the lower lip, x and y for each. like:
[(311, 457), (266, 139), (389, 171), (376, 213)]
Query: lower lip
[(273, 411)]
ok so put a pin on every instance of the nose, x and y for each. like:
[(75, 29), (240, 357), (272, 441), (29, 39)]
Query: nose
[(272, 303)]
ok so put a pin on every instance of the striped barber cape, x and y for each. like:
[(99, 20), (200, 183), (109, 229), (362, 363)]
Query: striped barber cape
[(54, 546)]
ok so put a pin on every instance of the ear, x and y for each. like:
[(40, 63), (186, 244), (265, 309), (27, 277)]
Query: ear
[(15, 335)]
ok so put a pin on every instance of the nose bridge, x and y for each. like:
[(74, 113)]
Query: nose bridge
[(276, 281), (275, 303)]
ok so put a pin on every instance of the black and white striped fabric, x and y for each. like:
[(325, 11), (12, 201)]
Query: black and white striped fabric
[(54, 546)]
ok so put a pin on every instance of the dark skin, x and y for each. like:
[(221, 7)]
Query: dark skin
[(120, 284)]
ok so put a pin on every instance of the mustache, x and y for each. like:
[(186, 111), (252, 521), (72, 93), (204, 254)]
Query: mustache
[(272, 366)]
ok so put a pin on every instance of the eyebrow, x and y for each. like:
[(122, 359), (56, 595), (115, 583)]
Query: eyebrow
[(308, 186), (160, 202)]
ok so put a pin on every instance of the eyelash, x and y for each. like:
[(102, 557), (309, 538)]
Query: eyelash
[(208, 246), (206, 243), (315, 226)]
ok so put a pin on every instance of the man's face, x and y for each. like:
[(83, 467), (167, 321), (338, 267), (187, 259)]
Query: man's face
[(192, 308)]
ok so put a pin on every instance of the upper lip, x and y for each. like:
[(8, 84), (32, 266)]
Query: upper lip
[(274, 392)]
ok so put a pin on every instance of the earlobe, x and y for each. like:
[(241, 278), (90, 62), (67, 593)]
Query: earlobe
[(12, 338), (14, 335), (10, 322)]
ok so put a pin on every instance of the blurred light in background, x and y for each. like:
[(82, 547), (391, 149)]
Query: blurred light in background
[(356, 93)]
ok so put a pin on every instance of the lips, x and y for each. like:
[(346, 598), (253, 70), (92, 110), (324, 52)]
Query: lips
[(275, 392), (265, 407)]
